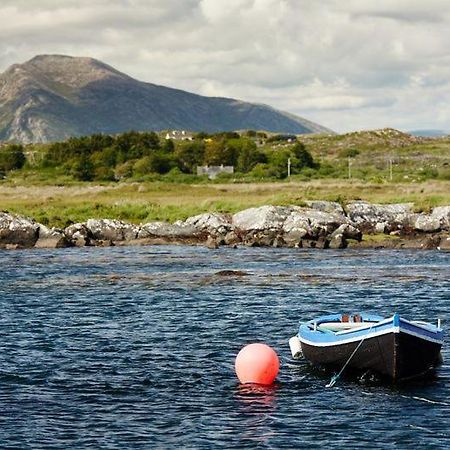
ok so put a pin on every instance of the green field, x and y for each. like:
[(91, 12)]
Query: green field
[(147, 201)]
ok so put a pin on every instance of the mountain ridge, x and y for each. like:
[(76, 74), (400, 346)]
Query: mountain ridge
[(53, 97)]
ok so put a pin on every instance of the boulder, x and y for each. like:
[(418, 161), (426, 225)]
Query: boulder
[(312, 223), (178, 230), (442, 213), (366, 216), (212, 223), (51, 238), (111, 230), (348, 232), (79, 234), (324, 206), (211, 243), (444, 243), (231, 238), (427, 223), (264, 238), (261, 219), (337, 241), (17, 231)]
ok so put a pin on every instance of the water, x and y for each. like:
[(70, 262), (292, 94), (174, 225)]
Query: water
[(134, 348)]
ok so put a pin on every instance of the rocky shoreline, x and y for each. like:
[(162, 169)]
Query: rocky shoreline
[(319, 225)]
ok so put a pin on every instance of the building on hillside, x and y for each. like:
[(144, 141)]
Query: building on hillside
[(182, 135), (213, 171)]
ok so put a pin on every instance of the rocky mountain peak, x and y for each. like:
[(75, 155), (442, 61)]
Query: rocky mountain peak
[(74, 72)]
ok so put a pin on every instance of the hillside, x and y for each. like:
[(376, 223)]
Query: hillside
[(53, 97)]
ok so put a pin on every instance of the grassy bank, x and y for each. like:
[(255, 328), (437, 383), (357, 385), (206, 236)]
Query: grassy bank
[(148, 201)]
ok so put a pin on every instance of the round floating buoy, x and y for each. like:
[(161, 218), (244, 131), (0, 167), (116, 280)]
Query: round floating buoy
[(257, 363)]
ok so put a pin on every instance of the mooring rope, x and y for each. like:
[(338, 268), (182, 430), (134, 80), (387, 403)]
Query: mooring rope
[(334, 378)]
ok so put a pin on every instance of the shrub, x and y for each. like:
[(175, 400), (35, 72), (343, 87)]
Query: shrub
[(12, 157), (349, 153)]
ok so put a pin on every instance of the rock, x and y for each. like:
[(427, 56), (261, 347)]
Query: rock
[(444, 243), (231, 273), (430, 242), (212, 223), (427, 223), (366, 215), (79, 234), (260, 239), (51, 238), (178, 230), (348, 232), (278, 242), (211, 243), (294, 238), (381, 227), (17, 230), (111, 230), (231, 238), (312, 223), (297, 224), (443, 214), (338, 241), (330, 207), (263, 218)]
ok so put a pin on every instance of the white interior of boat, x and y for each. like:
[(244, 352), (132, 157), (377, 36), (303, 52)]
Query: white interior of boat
[(337, 327)]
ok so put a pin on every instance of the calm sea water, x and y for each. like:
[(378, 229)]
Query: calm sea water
[(134, 348)]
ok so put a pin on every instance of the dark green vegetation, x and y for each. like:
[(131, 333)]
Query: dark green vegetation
[(142, 156)]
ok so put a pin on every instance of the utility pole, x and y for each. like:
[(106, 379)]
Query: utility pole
[(349, 167), (390, 169), (289, 167)]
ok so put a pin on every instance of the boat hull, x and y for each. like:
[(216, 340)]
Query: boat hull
[(396, 355), (394, 348)]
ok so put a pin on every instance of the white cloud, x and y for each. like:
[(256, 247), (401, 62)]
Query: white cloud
[(346, 65)]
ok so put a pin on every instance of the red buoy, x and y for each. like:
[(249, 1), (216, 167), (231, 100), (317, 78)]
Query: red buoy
[(257, 363)]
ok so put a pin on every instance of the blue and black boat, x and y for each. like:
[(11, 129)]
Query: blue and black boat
[(393, 347)]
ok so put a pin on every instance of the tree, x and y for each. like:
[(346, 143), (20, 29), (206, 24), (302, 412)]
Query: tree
[(219, 152), (303, 157), (12, 157), (83, 169), (249, 156), (190, 155)]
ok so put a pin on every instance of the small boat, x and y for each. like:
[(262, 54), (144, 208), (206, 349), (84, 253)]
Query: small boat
[(394, 348)]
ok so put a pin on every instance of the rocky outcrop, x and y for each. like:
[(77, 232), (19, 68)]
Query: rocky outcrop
[(330, 207), (438, 220), (161, 232), (215, 224), (111, 230), (265, 218), (371, 217), (79, 234), (17, 231), (51, 238), (321, 225)]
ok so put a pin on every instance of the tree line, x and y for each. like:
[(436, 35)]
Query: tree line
[(136, 154)]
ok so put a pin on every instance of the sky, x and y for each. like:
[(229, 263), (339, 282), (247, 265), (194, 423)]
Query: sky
[(345, 64)]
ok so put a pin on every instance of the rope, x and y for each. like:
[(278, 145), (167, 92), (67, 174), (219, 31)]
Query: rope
[(334, 378)]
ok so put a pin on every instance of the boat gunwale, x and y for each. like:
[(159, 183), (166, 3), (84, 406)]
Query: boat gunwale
[(395, 325)]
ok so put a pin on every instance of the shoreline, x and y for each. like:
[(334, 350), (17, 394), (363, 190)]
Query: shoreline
[(320, 225)]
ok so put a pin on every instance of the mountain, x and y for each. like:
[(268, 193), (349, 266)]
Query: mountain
[(429, 133), (52, 97)]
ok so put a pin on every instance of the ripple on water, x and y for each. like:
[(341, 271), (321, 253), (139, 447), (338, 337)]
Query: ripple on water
[(128, 347)]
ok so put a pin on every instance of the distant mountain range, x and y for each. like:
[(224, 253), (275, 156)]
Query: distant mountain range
[(428, 133), (53, 97)]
